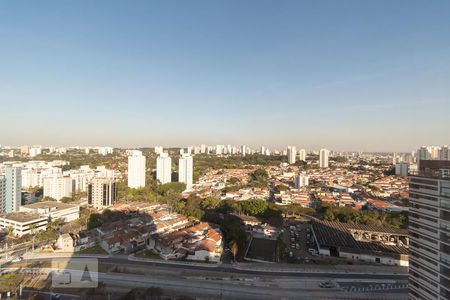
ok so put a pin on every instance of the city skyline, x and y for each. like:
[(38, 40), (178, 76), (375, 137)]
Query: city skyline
[(346, 76)]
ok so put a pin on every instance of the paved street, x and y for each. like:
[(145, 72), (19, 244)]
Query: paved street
[(227, 282)]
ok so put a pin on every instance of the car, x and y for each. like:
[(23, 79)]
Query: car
[(17, 259), (55, 296), (326, 284)]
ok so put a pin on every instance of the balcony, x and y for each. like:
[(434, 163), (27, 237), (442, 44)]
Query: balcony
[(445, 271), (445, 259), (445, 238)]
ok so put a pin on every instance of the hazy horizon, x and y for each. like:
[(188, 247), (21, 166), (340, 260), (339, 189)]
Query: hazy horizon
[(361, 76)]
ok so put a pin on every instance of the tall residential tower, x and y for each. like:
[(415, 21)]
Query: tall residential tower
[(136, 169), (429, 227)]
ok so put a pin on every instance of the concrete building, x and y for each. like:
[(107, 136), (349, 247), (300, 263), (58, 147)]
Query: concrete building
[(35, 151), (444, 153), (164, 168), (58, 186), (323, 158), (429, 226), (21, 222), (243, 150), (13, 194), (302, 154), (185, 170), (401, 169), (102, 193), (159, 150), (105, 150), (53, 210), (291, 154), (301, 180), (136, 169), (2, 193)]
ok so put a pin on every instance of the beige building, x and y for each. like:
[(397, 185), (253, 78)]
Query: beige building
[(102, 193)]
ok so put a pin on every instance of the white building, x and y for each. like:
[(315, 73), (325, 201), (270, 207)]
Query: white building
[(53, 210), (444, 153), (243, 150), (291, 154), (323, 158), (2, 193), (13, 193), (35, 151), (20, 222), (301, 180), (159, 150), (219, 149), (105, 150), (58, 186), (302, 154), (164, 168), (185, 170), (401, 169), (136, 169)]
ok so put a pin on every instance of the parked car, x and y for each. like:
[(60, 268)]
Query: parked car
[(17, 259), (327, 284)]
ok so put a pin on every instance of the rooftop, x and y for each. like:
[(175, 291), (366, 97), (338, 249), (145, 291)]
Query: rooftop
[(336, 234), (22, 217), (53, 205)]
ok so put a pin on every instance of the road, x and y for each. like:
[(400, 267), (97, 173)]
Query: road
[(227, 282)]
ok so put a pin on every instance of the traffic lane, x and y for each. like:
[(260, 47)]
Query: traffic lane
[(232, 269)]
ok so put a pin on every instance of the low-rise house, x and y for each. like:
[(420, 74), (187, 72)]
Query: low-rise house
[(65, 243)]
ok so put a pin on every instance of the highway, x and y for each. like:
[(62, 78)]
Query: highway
[(228, 282)]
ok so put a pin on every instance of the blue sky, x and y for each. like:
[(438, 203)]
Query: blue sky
[(347, 75)]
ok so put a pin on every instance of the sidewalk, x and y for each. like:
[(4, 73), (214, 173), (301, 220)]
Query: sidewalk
[(302, 268)]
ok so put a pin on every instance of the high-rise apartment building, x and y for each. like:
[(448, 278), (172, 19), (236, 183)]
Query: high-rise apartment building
[(159, 150), (291, 154), (401, 169), (2, 193), (444, 153), (302, 154), (323, 158), (136, 169), (13, 194), (164, 168), (429, 226), (102, 193), (301, 180), (185, 170), (58, 186), (243, 150)]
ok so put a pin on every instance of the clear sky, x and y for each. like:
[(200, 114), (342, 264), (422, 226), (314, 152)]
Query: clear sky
[(347, 75)]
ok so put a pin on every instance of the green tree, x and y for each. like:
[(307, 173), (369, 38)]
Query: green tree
[(210, 203), (254, 207)]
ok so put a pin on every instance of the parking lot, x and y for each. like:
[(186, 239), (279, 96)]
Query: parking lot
[(299, 242)]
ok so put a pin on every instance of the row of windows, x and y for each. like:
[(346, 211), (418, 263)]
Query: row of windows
[(419, 217), (419, 226), (425, 258), (420, 206), (419, 246), (421, 287), (422, 237), (417, 196), (424, 181), (423, 187), (419, 267)]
